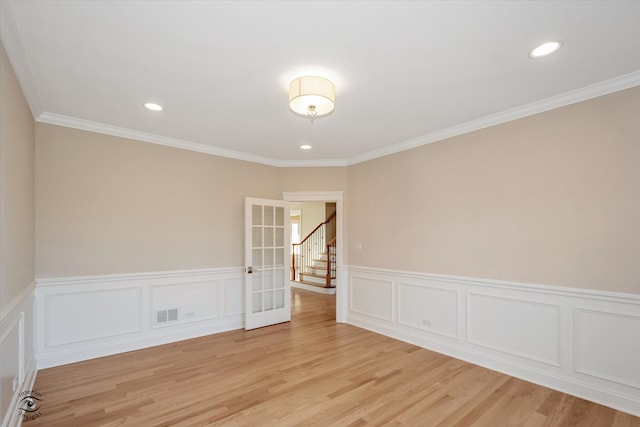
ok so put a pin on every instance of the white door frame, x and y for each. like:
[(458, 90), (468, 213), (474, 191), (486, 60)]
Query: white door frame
[(337, 197)]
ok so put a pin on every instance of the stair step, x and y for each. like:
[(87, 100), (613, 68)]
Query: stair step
[(317, 279), (323, 261), (320, 285), (315, 275)]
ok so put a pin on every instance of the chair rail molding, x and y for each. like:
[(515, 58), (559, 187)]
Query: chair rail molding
[(18, 365), (578, 341), (79, 318)]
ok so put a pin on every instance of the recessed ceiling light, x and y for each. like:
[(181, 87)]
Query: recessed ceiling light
[(153, 106), (545, 49), (305, 147)]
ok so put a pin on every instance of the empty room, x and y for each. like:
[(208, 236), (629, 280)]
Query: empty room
[(327, 213)]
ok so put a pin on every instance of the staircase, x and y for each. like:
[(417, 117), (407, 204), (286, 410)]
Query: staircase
[(321, 272), (314, 259)]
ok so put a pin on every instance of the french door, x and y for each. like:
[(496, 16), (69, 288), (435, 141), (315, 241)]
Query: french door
[(267, 262)]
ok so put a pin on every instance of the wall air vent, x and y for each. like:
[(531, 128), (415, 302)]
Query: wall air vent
[(170, 315)]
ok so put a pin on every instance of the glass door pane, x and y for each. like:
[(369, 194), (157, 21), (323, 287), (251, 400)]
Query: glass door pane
[(267, 252)]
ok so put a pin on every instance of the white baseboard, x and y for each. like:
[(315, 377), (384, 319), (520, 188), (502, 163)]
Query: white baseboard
[(17, 352), (27, 387), (580, 342), (87, 317), (549, 335)]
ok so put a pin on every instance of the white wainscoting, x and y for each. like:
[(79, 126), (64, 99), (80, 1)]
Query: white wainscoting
[(16, 354), (82, 318), (582, 342)]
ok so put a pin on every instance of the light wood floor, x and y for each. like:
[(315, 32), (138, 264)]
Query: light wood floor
[(311, 371)]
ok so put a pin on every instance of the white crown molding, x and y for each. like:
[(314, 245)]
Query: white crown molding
[(599, 89), (72, 122), (311, 163), (17, 56), (105, 129), (603, 88), (10, 36)]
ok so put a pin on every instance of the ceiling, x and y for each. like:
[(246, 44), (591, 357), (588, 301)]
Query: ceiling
[(407, 73)]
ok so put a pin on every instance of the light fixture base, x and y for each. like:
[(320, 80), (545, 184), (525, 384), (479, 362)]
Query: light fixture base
[(312, 96)]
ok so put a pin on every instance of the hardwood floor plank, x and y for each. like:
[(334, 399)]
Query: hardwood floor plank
[(310, 371)]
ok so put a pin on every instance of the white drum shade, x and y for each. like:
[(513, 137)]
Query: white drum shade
[(312, 96)]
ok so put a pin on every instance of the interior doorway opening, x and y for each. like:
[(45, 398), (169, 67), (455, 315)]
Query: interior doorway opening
[(330, 198), (313, 246)]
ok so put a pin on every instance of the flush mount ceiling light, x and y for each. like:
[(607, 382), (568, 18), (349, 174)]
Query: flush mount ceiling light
[(305, 147), (312, 96), (153, 106), (545, 49)]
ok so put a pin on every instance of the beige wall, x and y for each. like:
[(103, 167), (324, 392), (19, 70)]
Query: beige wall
[(16, 186), (313, 179), (112, 205), (551, 199), (311, 215)]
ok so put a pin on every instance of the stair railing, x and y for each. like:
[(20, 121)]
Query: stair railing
[(331, 261), (309, 249)]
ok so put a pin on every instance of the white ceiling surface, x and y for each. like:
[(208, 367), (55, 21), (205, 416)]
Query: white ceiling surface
[(406, 72)]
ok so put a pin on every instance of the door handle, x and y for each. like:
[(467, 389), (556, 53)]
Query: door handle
[(249, 270)]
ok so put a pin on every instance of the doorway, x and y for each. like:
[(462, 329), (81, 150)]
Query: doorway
[(313, 249), (337, 198)]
